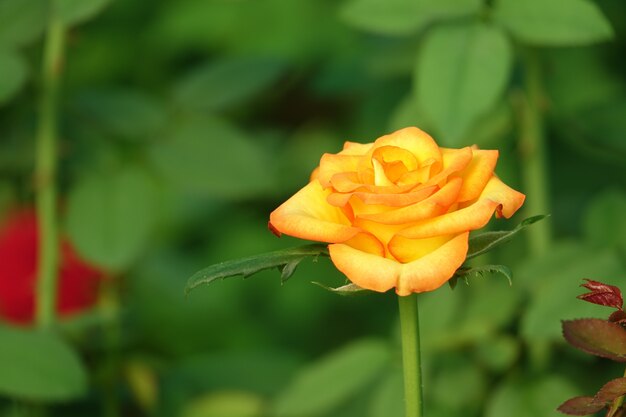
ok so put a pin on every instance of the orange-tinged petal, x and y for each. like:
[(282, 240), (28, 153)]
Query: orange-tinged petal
[(354, 148), (307, 215), (477, 173), (408, 250), (435, 269), (366, 242), (414, 140), (438, 203), (315, 174), (454, 160), (380, 177), (346, 182), (331, 164), (389, 154), (368, 271), (396, 200), (495, 196)]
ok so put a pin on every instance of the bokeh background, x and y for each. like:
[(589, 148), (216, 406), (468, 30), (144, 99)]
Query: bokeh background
[(182, 124)]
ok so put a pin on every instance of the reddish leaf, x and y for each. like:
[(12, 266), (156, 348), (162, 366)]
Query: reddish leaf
[(580, 406), (597, 337), (611, 390), (618, 316), (602, 294)]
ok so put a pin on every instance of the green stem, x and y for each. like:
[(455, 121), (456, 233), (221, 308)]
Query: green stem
[(533, 150), (409, 325), (45, 172), (617, 403)]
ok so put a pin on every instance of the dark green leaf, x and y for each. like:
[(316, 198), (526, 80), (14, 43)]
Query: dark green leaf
[(554, 22), (21, 21), (484, 242), (329, 382), (212, 158), (13, 74), (465, 272), (39, 366), (533, 397), (285, 259), (124, 113), (461, 72), (402, 17), (228, 82), (604, 222), (580, 406), (78, 11), (597, 337), (348, 289), (110, 217)]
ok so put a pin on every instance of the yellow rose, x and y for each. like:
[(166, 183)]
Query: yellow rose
[(398, 212)]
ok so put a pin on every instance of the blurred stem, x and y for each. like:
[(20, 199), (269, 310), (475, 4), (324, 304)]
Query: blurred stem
[(532, 143), (409, 325), (45, 171), (617, 403)]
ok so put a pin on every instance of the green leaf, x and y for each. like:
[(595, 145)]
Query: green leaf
[(21, 21), (211, 158), (348, 289), (597, 337), (403, 17), (38, 366), (285, 260), (388, 397), (331, 381), (553, 22), (110, 217), (465, 272), (226, 403), (604, 222), (13, 75), (534, 397), (553, 283), (226, 83), (125, 113), (78, 11), (484, 242), (461, 72)]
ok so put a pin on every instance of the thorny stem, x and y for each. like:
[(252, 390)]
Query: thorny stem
[(409, 324)]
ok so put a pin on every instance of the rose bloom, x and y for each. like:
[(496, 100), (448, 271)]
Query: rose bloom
[(78, 281), (397, 212)]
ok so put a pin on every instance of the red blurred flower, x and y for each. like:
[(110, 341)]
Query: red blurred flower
[(78, 281)]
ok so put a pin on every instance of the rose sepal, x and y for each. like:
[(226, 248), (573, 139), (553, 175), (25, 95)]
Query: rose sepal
[(465, 272), (286, 260), (484, 242)]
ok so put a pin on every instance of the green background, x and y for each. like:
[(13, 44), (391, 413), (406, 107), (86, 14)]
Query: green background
[(183, 124)]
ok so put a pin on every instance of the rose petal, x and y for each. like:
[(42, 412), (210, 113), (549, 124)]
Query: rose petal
[(353, 148), (495, 197), (381, 274), (331, 164), (434, 269), (438, 203), (307, 215), (368, 271), (391, 200), (408, 250), (477, 173), (366, 242), (414, 140), (454, 161)]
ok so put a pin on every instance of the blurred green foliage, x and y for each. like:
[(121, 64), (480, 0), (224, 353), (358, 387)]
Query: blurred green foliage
[(185, 123)]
